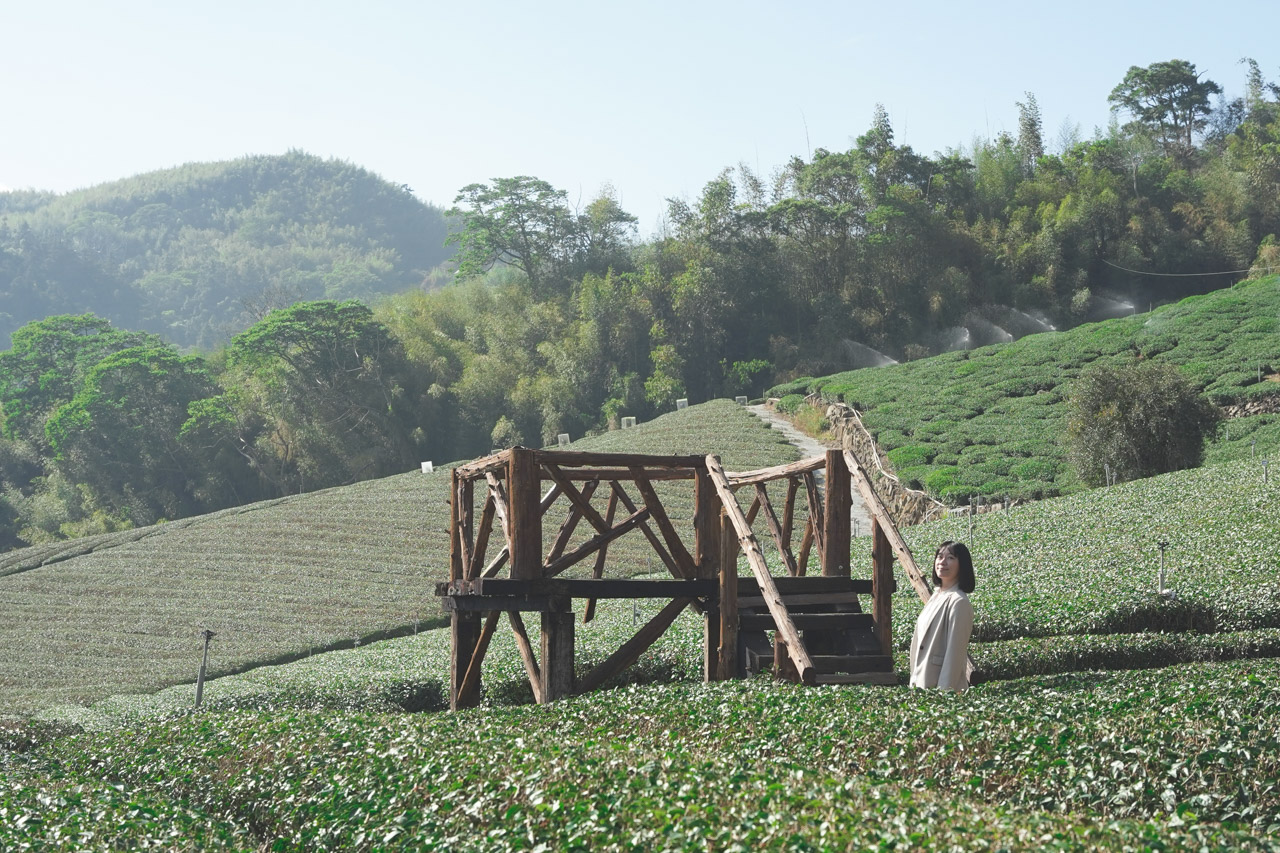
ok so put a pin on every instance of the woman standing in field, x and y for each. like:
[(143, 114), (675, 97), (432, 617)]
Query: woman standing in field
[(940, 644)]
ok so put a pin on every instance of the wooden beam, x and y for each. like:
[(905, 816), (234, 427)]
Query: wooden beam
[(557, 655), (469, 690), (816, 515), (882, 587), (775, 528), (777, 472), (836, 523), (876, 507), (570, 523), (524, 493), (594, 544), (597, 571), (806, 542), (789, 510), (605, 474), (500, 560), (676, 546), (576, 497), (706, 554), (625, 460), (654, 541), (483, 465), (593, 588), (466, 520), (464, 632), (636, 646), (482, 538), (786, 629), (526, 655), (728, 658), (457, 568), (501, 506)]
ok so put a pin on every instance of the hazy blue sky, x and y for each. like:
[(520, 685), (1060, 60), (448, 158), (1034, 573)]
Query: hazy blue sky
[(653, 97)]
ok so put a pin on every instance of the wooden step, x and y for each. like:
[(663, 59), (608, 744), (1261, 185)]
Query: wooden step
[(852, 663), (889, 678), (756, 602), (807, 621), (807, 584)]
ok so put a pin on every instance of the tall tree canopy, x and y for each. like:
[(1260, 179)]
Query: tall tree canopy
[(1169, 100)]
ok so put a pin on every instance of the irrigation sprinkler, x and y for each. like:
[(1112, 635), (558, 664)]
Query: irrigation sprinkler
[(1264, 469), (204, 664), (971, 512), (1253, 448)]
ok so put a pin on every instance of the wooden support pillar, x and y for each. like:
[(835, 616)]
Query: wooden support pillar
[(836, 533), (727, 665), (464, 629), (524, 494), (557, 652), (706, 556), (882, 585)]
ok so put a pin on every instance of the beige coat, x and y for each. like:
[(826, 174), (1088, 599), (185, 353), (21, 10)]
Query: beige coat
[(940, 643)]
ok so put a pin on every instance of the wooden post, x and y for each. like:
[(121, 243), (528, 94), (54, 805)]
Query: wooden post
[(464, 628), (728, 657), (882, 587), (835, 554), (524, 494), (557, 652), (706, 556)]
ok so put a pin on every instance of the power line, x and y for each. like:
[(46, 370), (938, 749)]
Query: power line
[(1177, 274)]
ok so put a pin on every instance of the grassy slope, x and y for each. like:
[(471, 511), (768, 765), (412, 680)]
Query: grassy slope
[(278, 579), (997, 413)]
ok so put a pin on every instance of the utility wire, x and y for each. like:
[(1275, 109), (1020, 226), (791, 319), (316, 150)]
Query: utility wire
[(1177, 274)]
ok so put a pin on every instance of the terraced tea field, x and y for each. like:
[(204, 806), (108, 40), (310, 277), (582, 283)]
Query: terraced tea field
[(279, 579)]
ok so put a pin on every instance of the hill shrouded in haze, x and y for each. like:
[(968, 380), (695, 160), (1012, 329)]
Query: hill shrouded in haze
[(198, 252)]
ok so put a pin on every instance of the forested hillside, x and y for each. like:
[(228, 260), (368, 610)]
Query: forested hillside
[(199, 252)]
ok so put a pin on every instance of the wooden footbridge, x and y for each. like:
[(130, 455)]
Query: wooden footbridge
[(808, 628)]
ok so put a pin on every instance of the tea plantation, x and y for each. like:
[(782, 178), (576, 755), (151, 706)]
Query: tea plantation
[(990, 421)]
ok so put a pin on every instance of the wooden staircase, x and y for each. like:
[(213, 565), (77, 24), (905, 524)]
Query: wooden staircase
[(838, 636)]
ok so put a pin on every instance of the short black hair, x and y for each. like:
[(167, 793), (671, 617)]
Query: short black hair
[(967, 581)]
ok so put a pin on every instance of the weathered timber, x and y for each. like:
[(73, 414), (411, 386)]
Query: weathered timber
[(597, 571), (481, 549), (501, 506), (654, 541), (586, 474), (524, 493), (457, 569), (633, 648), (591, 587), (727, 666), (882, 586), (789, 512), (787, 630), (753, 510), (625, 460), (807, 621), (469, 690), (806, 543), (487, 603), (590, 513), (816, 517), (882, 678), (775, 528), (836, 522), (798, 599), (557, 655), (595, 543), (706, 555), (570, 523), (681, 554), (483, 465), (526, 655), (464, 631), (466, 500), (497, 563), (777, 472), (853, 663), (808, 584), (876, 507)]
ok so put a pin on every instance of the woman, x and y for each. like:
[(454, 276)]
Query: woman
[(940, 644)]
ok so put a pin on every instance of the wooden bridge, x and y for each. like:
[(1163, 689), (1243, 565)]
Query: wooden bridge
[(809, 628)]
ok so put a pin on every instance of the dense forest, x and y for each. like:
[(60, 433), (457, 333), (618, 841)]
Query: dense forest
[(560, 319), (199, 252)]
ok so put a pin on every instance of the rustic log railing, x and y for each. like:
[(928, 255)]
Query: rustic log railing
[(701, 556)]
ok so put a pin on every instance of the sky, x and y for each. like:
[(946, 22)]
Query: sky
[(653, 98)]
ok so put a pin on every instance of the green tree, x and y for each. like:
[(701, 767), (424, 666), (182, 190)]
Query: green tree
[(1138, 419), (1167, 99)]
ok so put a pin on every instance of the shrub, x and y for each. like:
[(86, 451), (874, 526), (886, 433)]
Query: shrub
[(1140, 419), (790, 404), (909, 456), (941, 479)]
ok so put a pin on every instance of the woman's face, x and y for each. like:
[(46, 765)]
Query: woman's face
[(947, 566)]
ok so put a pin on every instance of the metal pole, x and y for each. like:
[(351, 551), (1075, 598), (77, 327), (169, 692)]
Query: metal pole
[(204, 663), (1163, 544)]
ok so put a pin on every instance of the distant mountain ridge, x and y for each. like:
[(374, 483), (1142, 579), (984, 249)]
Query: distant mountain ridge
[(198, 252)]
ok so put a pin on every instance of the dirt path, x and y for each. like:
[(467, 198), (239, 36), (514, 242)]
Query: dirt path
[(810, 446)]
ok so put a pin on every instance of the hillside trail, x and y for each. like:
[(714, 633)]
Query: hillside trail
[(810, 446)]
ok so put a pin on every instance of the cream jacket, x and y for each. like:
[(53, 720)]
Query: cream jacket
[(940, 643)]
